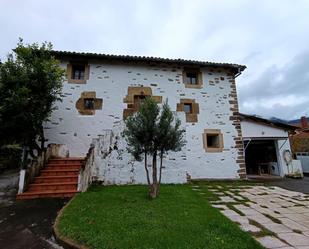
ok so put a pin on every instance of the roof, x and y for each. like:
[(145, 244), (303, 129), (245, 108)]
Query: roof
[(267, 121), (130, 58)]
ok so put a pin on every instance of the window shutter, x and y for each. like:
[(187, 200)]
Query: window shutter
[(195, 108), (98, 103), (180, 108)]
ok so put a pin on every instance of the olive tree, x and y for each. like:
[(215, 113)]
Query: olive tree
[(153, 132)]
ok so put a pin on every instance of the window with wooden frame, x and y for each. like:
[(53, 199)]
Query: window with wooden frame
[(187, 107), (78, 72), (213, 140), (89, 104), (135, 97), (190, 108), (138, 100), (192, 78)]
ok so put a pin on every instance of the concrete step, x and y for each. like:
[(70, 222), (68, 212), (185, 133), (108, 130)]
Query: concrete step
[(69, 160), (47, 194), (59, 172), (52, 186), (62, 166), (56, 179)]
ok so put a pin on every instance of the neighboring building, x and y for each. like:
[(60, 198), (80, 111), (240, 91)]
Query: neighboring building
[(300, 143), (267, 147), (102, 90)]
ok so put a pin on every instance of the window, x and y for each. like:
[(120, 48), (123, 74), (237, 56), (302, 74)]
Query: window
[(89, 104), (135, 97), (187, 107), (78, 72), (213, 140), (192, 78), (190, 108), (138, 100)]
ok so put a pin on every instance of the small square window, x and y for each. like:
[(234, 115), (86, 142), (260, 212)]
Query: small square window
[(191, 78), (89, 104), (187, 107), (213, 140), (78, 72)]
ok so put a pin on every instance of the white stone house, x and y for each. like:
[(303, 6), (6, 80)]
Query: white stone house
[(102, 90)]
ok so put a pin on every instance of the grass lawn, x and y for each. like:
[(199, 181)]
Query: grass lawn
[(122, 217)]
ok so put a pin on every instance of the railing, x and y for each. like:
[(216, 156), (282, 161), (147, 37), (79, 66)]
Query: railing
[(33, 169), (84, 177)]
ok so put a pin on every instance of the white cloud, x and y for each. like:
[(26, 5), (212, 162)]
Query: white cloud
[(265, 35)]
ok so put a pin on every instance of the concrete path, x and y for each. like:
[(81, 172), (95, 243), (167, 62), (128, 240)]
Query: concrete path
[(276, 217), (25, 224), (299, 185)]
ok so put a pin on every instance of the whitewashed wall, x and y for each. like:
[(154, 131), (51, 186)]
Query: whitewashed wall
[(254, 129), (111, 83)]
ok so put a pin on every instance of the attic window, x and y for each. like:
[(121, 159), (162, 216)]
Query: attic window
[(213, 140), (78, 72), (192, 78), (89, 104)]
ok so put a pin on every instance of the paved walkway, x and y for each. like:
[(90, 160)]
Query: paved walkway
[(276, 217), (25, 224), (299, 185)]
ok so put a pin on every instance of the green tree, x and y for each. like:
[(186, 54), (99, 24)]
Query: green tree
[(153, 132), (30, 83)]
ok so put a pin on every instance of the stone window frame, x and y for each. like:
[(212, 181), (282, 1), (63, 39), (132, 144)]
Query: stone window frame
[(196, 71), (220, 137), (133, 92), (70, 72), (195, 110), (80, 103)]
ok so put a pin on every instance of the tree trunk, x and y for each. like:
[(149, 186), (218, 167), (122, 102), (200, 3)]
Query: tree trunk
[(160, 172), (147, 172), (154, 186), (42, 138), (161, 164)]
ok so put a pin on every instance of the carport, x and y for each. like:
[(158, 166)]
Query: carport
[(261, 156), (266, 147)]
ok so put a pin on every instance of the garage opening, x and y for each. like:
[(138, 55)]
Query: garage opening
[(261, 157)]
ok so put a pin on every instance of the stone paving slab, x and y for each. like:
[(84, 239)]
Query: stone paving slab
[(271, 242), (294, 239), (283, 212)]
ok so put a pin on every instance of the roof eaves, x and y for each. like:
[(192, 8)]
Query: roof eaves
[(266, 121), (240, 68)]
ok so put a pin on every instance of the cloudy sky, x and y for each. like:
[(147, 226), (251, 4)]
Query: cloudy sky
[(270, 37)]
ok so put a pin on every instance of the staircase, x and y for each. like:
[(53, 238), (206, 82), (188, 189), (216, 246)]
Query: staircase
[(59, 179)]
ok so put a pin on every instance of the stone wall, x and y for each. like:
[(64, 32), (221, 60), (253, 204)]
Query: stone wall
[(218, 109)]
